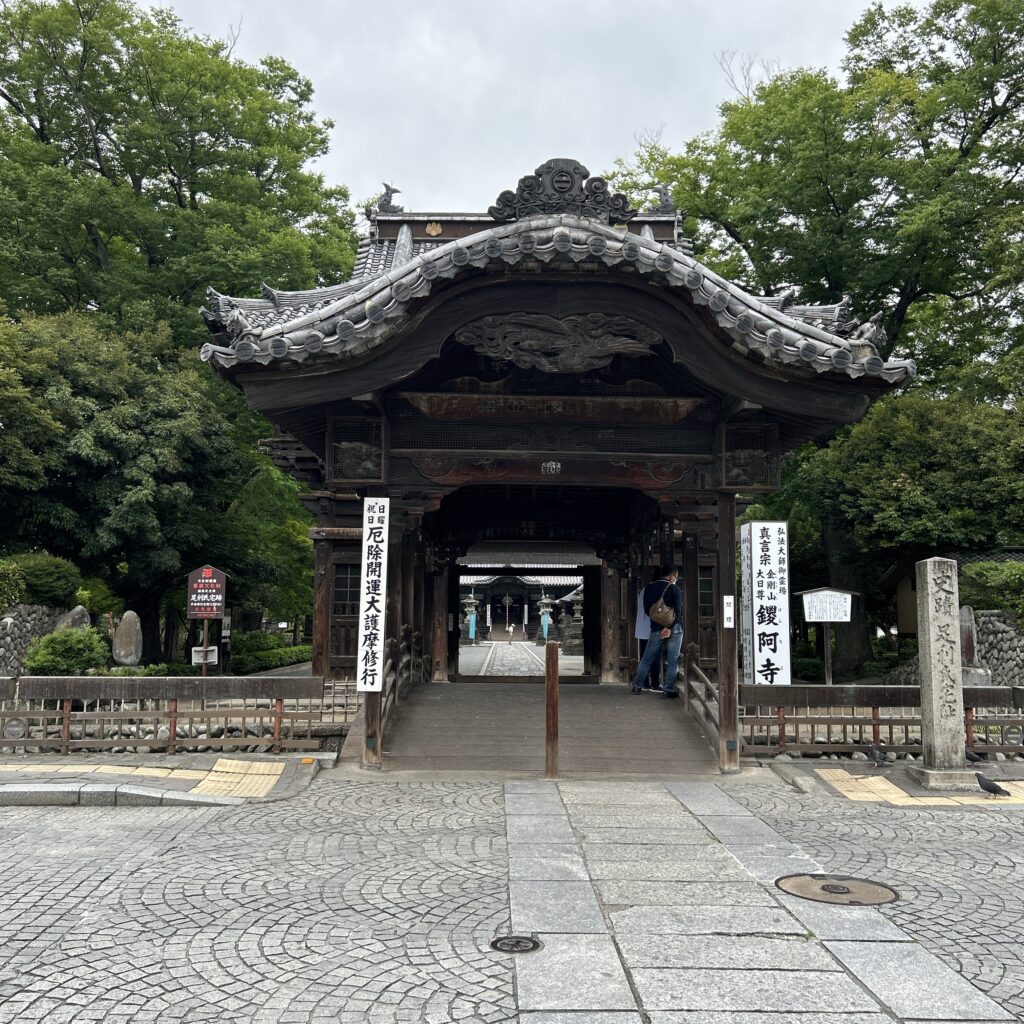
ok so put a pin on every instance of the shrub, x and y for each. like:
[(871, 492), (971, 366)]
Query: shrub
[(810, 670), (994, 585), (260, 661), (98, 598), (68, 652), (255, 641), (48, 580), (161, 668), (12, 585)]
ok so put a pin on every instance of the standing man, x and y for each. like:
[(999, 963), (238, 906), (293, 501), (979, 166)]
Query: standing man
[(642, 632), (670, 636)]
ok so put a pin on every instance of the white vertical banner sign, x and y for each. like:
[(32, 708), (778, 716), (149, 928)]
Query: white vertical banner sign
[(765, 555), (746, 607), (373, 584)]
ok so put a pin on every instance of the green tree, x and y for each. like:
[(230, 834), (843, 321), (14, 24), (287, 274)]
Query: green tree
[(900, 186), (151, 469), (140, 163)]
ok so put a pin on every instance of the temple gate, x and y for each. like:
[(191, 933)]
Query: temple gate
[(560, 370)]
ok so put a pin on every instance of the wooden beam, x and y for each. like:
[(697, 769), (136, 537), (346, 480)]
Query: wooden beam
[(728, 703), (691, 597)]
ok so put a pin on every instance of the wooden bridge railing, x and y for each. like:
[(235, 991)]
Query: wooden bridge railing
[(166, 713), (842, 719), (700, 694)]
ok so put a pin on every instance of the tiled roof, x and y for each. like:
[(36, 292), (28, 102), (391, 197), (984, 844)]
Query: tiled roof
[(348, 320)]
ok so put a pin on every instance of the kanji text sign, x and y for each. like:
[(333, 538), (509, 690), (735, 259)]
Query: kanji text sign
[(373, 583), (828, 606), (207, 591), (764, 620)]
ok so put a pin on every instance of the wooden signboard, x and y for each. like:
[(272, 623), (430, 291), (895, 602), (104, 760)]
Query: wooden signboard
[(207, 590)]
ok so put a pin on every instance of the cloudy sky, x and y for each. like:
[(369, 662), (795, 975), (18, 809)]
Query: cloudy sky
[(453, 100)]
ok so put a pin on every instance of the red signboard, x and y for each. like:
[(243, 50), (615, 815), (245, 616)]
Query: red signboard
[(207, 589)]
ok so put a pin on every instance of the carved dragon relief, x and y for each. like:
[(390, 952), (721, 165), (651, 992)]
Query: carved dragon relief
[(573, 344)]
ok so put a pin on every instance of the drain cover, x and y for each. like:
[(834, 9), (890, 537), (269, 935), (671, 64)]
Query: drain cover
[(516, 944), (850, 892)]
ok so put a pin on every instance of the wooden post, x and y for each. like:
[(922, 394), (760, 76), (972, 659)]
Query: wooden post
[(781, 713), (65, 726), (728, 696), (827, 630), (876, 726), (206, 643), (373, 756), (969, 727), (278, 712), (439, 633), (609, 663), (323, 583), (691, 598), (551, 696), (172, 725)]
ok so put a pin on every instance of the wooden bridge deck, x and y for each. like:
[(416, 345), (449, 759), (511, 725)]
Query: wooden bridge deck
[(604, 731)]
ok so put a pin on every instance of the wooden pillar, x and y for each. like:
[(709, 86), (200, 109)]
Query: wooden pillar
[(452, 621), (689, 571), (439, 628), (728, 696), (323, 595), (610, 638), (591, 620), (408, 614)]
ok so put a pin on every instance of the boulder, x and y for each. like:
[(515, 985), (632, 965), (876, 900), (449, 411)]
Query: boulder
[(77, 618), (127, 647)]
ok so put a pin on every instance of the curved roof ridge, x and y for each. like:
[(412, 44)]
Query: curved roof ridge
[(347, 320)]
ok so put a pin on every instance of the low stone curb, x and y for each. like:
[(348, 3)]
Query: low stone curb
[(92, 794)]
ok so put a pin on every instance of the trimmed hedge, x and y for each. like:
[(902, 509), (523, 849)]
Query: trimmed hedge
[(161, 668), (68, 652), (255, 641), (260, 661), (48, 580)]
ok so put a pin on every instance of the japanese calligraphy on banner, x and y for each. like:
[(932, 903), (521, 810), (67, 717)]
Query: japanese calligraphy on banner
[(373, 582), (764, 622)]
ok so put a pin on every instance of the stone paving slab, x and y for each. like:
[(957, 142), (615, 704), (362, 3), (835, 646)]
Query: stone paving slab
[(735, 828), (750, 990), (831, 921), (733, 1017), (710, 920), (562, 907), (683, 836), (914, 983), (573, 972), (710, 852), (539, 828), (739, 952), (631, 892), (703, 799), (580, 1017), (546, 862)]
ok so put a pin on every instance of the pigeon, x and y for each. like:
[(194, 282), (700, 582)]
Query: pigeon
[(972, 756), (991, 787), (878, 756)]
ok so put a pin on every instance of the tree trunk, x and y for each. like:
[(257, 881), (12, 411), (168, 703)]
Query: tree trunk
[(853, 639)]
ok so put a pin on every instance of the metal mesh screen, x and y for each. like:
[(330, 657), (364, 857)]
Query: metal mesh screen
[(356, 450)]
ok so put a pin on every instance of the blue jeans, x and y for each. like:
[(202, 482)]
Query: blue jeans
[(655, 646)]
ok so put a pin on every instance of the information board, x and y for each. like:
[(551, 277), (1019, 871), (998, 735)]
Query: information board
[(764, 560), (207, 592), (373, 582), (828, 605)]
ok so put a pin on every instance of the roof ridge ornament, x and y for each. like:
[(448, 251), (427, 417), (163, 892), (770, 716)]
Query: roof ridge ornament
[(562, 185)]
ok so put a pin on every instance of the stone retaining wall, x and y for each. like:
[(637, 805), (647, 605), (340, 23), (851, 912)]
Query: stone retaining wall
[(19, 625), (1000, 648)]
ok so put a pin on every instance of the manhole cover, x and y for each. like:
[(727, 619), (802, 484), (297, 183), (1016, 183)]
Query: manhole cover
[(516, 944), (850, 892)]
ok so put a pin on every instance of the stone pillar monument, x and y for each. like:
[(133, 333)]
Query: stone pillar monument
[(942, 698)]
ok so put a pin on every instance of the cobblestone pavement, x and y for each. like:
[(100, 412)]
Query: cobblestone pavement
[(960, 873), (366, 900), (357, 902)]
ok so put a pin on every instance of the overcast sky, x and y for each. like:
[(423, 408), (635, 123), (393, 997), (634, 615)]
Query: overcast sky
[(453, 100)]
